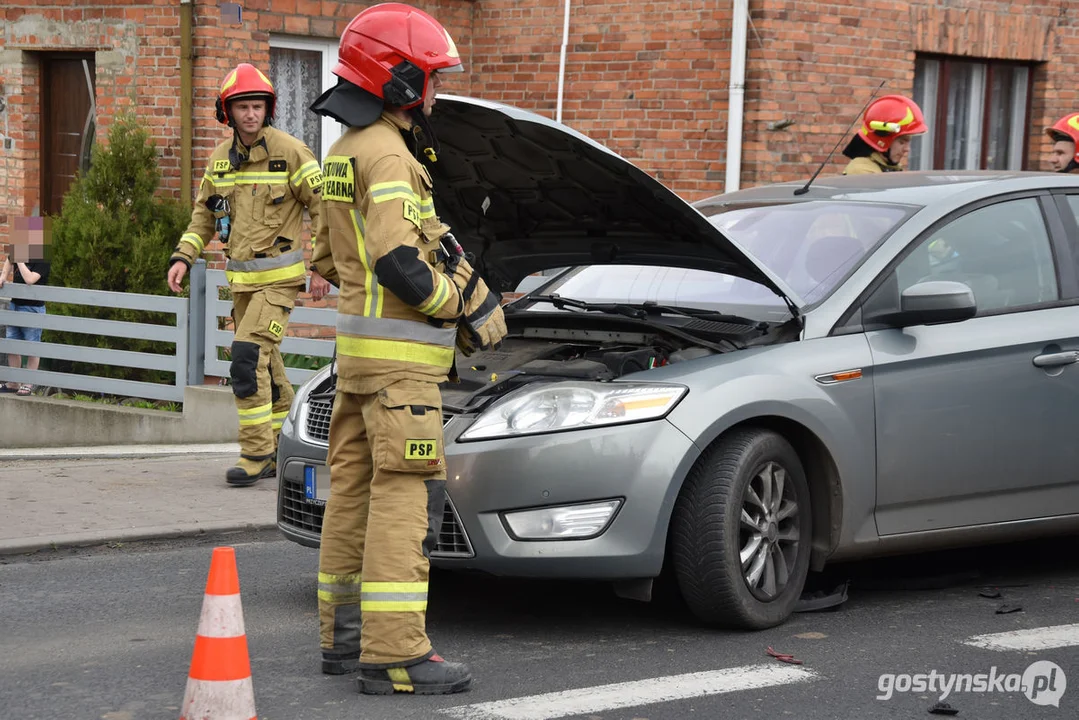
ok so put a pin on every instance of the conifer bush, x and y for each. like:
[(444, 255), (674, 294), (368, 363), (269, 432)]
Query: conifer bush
[(115, 233)]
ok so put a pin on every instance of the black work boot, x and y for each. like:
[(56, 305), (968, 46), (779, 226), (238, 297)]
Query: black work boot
[(340, 664), (249, 472), (433, 676)]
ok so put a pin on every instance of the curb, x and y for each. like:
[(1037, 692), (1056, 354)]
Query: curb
[(116, 451), (18, 546)]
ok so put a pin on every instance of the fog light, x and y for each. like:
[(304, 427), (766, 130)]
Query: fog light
[(566, 522)]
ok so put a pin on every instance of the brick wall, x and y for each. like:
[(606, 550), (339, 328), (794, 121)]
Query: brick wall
[(649, 79), (137, 61)]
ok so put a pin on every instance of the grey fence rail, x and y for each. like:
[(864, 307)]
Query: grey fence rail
[(177, 334)]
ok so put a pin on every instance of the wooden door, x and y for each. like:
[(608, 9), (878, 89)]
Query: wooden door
[(67, 124)]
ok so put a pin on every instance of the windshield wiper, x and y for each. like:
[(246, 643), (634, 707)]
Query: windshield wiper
[(702, 314), (646, 310), (637, 313), (611, 308)]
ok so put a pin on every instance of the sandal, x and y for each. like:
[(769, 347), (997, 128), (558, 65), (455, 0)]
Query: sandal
[(25, 389)]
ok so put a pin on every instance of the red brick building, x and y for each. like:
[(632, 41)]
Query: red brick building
[(652, 80)]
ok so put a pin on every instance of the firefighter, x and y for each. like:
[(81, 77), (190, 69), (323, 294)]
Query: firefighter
[(883, 142), (407, 298), (252, 196), (1064, 157)]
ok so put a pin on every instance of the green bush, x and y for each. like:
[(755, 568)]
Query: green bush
[(115, 233)]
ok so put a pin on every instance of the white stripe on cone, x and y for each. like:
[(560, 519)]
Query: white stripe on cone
[(222, 616), (219, 700)]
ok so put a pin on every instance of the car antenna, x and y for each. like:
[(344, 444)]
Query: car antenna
[(803, 190)]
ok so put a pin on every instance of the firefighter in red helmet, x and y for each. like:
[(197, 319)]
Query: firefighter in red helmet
[(252, 197), (1064, 155), (883, 142), (408, 299)]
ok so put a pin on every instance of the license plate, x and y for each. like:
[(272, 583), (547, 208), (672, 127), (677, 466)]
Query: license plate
[(315, 489)]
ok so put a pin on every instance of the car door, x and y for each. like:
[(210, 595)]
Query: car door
[(976, 420)]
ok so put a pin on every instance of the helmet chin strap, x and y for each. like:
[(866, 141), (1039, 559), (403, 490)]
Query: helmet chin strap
[(1072, 165), (424, 142)]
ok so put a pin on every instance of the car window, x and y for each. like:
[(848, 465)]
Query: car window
[(1000, 251), (1073, 203)]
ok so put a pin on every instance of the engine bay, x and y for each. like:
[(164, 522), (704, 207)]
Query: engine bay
[(537, 353)]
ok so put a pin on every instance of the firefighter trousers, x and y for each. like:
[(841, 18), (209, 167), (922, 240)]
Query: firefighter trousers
[(261, 388), (387, 496)]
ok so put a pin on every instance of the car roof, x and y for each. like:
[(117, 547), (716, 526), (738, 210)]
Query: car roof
[(917, 188)]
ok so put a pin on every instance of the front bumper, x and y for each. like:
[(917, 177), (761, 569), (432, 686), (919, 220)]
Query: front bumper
[(643, 464)]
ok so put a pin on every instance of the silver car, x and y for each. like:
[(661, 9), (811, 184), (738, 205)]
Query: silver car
[(743, 389)]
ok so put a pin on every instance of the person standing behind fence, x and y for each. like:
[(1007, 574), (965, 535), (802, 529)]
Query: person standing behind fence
[(253, 195), (31, 267)]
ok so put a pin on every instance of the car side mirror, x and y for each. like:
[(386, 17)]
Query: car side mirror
[(928, 303)]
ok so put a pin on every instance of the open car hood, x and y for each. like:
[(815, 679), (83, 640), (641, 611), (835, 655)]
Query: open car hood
[(524, 194)]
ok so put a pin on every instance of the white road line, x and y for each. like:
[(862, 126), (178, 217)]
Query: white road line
[(631, 694), (1042, 638)]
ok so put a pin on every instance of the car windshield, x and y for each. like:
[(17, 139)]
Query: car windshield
[(811, 246)]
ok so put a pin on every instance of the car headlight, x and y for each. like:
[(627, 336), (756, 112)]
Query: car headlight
[(566, 522), (573, 406)]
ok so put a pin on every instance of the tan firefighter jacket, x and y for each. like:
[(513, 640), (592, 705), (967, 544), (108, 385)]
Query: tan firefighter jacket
[(267, 191), (875, 163), (376, 242)]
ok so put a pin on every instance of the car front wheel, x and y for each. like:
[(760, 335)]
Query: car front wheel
[(740, 532)]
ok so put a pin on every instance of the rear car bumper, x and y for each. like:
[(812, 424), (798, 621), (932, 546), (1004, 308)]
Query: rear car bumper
[(642, 465)]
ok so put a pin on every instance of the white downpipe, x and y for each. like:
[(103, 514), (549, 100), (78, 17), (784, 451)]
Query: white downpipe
[(736, 95), (562, 62)]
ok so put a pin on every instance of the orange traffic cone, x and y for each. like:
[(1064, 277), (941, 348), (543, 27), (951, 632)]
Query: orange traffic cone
[(219, 681)]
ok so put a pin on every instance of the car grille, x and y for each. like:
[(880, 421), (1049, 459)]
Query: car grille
[(317, 426), (297, 512)]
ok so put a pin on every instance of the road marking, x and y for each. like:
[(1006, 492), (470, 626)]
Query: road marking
[(1043, 638), (631, 694)]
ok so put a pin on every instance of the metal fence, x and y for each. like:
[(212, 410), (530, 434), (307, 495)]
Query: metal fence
[(196, 334), (177, 334)]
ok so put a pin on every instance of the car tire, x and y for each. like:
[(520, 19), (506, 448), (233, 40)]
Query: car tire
[(708, 536)]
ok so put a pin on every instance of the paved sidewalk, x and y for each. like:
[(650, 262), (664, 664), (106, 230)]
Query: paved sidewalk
[(63, 497)]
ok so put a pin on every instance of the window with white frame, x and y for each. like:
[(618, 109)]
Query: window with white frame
[(300, 69), (976, 111)]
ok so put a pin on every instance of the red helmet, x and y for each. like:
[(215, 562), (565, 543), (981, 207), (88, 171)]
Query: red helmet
[(1066, 128), (890, 117), (390, 50), (245, 81)]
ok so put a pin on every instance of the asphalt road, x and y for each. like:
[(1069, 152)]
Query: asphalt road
[(108, 633)]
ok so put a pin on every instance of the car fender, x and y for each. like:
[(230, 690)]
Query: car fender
[(791, 384)]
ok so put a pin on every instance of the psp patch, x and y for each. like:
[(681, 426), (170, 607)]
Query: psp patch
[(222, 166), (412, 212), (421, 449), (276, 328)]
